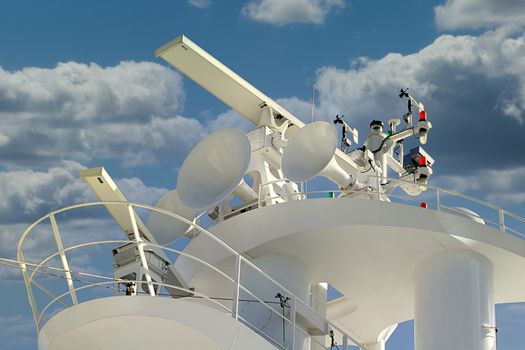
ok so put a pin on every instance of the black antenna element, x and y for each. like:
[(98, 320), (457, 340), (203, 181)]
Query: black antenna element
[(333, 343), (283, 301), (408, 116), (344, 140)]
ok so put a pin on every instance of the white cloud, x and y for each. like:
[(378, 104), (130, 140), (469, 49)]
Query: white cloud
[(80, 112), (73, 91), (501, 186), (301, 109), (136, 191), (28, 194), (282, 12), (455, 14), (229, 119), (200, 3)]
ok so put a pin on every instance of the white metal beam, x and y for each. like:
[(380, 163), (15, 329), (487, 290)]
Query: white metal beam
[(106, 189), (229, 87)]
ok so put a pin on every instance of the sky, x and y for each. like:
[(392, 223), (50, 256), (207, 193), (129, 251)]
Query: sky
[(80, 87)]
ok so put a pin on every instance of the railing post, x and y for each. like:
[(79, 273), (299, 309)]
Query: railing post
[(259, 203), (237, 287), (438, 199), (63, 258), (378, 186), (305, 188), (140, 248), (502, 220), (293, 309), (30, 296)]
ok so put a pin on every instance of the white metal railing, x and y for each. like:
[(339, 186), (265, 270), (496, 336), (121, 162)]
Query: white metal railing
[(47, 296), (434, 198)]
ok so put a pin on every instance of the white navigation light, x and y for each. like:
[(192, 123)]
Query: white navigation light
[(311, 152), (167, 229), (214, 169)]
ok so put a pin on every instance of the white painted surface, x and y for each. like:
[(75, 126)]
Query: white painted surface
[(310, 153), (319, 295), (214, 168), (454, 299), (167, 229), (142, 322), (376, 346), (367, 249)]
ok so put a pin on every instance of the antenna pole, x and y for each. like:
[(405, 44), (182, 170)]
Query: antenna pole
[(313, 102)]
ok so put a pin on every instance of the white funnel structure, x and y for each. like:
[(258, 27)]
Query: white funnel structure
[(214, 169), (311, 152), (167, 229)]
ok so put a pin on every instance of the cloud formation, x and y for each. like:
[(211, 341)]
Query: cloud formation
[(282, 12), (25, 195), (500, 186), (456, 14), (28, 194), (200, 3), (79, 112)]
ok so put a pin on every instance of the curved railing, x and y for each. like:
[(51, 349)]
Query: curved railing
[(432, 198), (54, 285), (47, 298)]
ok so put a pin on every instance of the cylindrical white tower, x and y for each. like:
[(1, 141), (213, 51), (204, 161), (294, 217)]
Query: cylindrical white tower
[(454, 302)]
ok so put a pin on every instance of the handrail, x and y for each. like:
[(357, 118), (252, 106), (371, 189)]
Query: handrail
[(378, 194), (371, 193), (29, 270)]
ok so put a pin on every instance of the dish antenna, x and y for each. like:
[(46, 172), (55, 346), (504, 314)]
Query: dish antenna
[(310, 153), (214, 169), (167, 229)]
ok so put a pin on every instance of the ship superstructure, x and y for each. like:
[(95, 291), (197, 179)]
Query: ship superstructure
[(241, 254)]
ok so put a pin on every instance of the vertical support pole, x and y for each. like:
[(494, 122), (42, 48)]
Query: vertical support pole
[(378, 187), (293, 311), (236, 287), (319, 299), (259, 201), (438, 199), (63, 258), (30, 296), (194, 228), (345, 342), (140, 248), (502, 220), (466, 303)]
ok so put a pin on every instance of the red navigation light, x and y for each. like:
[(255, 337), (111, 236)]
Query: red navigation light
[(422, 161), (422, 115), (423, 205)]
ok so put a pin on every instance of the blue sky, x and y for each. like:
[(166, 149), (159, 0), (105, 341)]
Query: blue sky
[(80, 87)]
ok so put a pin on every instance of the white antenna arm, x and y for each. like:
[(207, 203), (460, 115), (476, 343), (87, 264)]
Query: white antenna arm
[(106, 190), (219, 80), (229, 87)]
